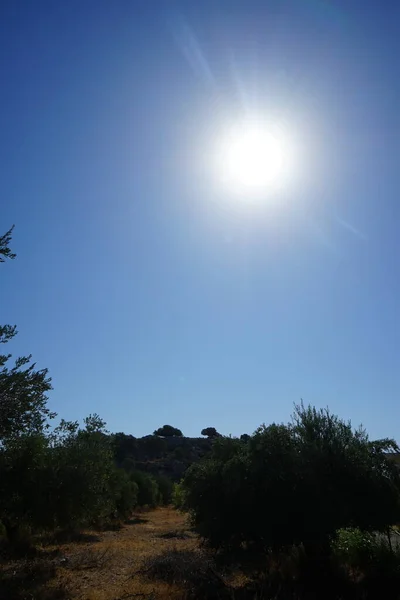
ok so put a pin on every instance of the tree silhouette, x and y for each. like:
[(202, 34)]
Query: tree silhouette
[(168, 431), (210, 432)]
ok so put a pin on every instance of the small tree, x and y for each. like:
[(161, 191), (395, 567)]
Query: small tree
[(165, 487), (168, 431), (178, 496), (67, 479), (148, 491), (82, 473), (210, 432), (23, 471), (125, 493), (64, 479)]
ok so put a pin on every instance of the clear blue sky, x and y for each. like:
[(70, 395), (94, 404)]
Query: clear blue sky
[(152, 295)]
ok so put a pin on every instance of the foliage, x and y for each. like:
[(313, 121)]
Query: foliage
[(148, 491), (180, 453), (291, 484), (83, 469), (151, 446), (372, 557), (210, 432), (23, 400), (23, 463), (178, 496), (5, 251), (339, 466), (355, 547), (165, 487), (23, 416), (126, 493), (168, 431), (124, 446), (67, 479), (166, 456), (145, 448)]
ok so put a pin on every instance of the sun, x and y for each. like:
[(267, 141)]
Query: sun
[(254, 159)]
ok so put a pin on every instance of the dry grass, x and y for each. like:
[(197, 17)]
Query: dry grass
[(109, 566), (156, 556), (109, 569)]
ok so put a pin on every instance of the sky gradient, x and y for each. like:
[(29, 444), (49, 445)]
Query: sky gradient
[(152, 294)]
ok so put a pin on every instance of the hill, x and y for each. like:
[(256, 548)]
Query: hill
[(167, 456)]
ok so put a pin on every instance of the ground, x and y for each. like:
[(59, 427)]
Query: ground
[(102, 566), (135, 562)]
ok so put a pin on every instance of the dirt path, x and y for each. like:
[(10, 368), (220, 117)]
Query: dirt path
[(104, 566)]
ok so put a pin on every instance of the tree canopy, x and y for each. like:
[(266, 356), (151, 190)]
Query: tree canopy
[(210, 432), (168, 431)]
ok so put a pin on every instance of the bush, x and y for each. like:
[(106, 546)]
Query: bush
[(178, 496), (151, 447), (355, 548), (148, 491), (82, 474), (293, 484), (126, 493), (165, 487), (373, 562), (364, 551), (66, 480)]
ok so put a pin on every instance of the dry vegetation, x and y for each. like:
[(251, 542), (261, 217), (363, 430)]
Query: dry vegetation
[(111, 565)]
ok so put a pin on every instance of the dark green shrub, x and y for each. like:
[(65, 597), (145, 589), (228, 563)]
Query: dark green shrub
[(124, 446), (151, 447), (168, 431), (292, 484), (126, 493), (355, 548), (178, 496), (148, 491), (65, 480), (82, 469), (165, 487), (365, 551)]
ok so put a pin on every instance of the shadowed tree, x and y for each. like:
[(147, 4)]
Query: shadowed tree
[(292, 484), (168, 431), (210, 432)]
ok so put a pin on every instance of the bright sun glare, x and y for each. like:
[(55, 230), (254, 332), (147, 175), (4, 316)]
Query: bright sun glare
[(254, 159)]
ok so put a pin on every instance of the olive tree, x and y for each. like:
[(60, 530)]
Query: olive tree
[(294, 483)]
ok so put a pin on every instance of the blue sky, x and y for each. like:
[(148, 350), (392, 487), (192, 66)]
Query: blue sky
[(152, 294)]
